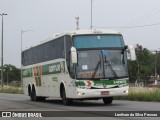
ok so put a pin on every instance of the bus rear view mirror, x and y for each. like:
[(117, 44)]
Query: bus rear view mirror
[(73, 55), (131, 53)]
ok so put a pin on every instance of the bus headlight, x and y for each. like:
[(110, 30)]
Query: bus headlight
[(80, 93), (126, 92)]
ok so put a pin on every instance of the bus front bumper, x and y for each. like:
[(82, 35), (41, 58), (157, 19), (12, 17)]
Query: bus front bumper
[(101, 93)]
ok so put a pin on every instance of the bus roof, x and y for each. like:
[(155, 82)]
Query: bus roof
[(92, 31), (76, 32)]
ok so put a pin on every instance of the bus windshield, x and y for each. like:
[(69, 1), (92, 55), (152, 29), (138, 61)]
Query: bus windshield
[(98, 41), (101, 64)]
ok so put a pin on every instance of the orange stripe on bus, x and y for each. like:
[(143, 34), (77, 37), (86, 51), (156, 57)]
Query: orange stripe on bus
[(40, 70), (35, 71)]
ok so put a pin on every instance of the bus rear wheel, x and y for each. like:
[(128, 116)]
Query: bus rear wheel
[(65, 100), (107, 100), (33, 96)]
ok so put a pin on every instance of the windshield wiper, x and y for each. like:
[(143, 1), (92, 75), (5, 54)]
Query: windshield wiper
[(95, 71), (98, 64), (110, 66)]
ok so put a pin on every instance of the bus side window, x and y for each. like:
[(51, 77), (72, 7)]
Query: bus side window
[(70, 66), (60, 47), (34, 55), (46, 52), (25, 58), (52, 50), (68, 48), (40, 54), (29, 57), (22, 59)]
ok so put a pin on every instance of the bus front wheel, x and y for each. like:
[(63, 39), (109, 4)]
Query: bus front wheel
[(65, 100), (107, 100)]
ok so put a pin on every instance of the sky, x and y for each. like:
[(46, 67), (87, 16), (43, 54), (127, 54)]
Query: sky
[(137, 20)]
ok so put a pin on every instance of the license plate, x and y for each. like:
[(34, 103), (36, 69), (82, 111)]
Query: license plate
[(104, 92)]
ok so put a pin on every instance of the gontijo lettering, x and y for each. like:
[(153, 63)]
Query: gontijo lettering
[(54, 68)]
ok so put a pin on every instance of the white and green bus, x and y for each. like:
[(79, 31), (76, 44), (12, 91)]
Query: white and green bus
[(78, 65)]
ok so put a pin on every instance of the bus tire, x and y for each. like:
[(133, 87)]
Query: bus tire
[(29, 90), (41, 98), (65, 100), (33, 95), (107, 100)]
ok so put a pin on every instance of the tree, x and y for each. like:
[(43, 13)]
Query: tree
[(143, 67), (11, 73)]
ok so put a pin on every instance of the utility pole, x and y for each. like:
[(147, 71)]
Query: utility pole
[(91, 14), (77, 23), (138, 72), (2, 53), (156, 65)]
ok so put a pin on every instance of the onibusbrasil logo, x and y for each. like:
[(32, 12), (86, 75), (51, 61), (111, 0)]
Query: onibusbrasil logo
[(21, 114)]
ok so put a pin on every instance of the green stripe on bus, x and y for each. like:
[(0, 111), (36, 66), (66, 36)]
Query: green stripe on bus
[(27, 72), (51, 68), (54, 68)]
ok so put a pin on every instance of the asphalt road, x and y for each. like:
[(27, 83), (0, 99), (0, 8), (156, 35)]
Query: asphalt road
[(18, 102)]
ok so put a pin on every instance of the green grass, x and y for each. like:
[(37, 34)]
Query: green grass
[(11, 90), (142, 95)]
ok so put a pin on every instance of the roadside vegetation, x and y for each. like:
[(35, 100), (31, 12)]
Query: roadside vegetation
[(11, 90), (142, 94), (14, 88), (11, 80)]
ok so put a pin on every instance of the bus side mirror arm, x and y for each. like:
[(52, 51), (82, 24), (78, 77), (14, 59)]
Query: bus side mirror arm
[(131, 53), (73, 55)]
